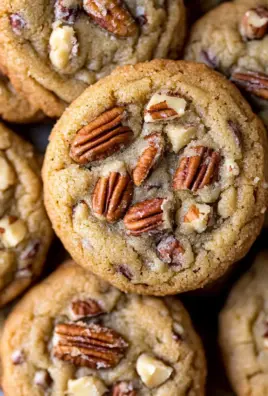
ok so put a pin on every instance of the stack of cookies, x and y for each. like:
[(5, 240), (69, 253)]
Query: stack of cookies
[(154, 180)]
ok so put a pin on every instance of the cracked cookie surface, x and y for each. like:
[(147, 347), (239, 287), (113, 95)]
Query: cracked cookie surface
[(25, 230), (157, 185), (66, 45), (233, 39), (243, 329), (74, 334)]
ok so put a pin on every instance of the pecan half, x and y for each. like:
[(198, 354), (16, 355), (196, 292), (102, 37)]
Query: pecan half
[(170, 250), (111, 15), (148, 158), (101, 138), (123, 389), (91, 345), (112, 196), (254, 24), (197, 171), (85, 308), (253, 82), (146, 216)]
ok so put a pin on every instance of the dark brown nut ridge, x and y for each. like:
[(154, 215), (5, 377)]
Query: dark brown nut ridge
[(112, 196), (111, 15), (170, 250), (148, 158), (123, 389), (253, 82), (92, 345), (86, 308), (146, 216), (197, 171), (101, 138), (254, 23)]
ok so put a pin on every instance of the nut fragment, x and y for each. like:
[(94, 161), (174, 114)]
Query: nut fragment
[(146, 216), (123, 389), (17, 23), (153, 372), (85, 308), (18, 357), (149, 157), (86, 386), (66, 11), (63, 45), (196, 217), (89, 345), (197, 170), (101, 138), (170, 250), (111, 15), (164, 107), (253, 82), (42, 379), (13, 231), (112, 196), (254, 23)]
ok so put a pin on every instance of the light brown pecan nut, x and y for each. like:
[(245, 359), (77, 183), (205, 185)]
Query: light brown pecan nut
[(101, 138), (149, 157), (123, 389), (253, 82), (112, 196), (254, 24), (146, 216), (88, 345), (85, 308), (197, 171), (170, 250), (112, 15)]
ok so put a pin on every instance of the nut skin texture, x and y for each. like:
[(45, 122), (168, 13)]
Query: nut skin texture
[(197, 171), (123, 389), (101, 138), (90, 346), (170, 250), (248, 30), (252, 82), (161, 111), (146, 216), (86, 308), (112, 196), (113, 16)]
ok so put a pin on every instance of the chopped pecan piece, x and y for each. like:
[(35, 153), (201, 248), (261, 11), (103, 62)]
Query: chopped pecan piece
[(64, 12), (85, 308), (91, 345), (148, 158), (254, 23), (170, 250), (112, 15), (112, 196), (101, 138), (253, 82), (146, 216), (123, 389), (197, 171), (164, 107), (17, 23)]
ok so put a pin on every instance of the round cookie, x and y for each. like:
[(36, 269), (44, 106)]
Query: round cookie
[(81, 41), (77, 335), (243, 328), (154, 177), (233, 39), (25, 231)]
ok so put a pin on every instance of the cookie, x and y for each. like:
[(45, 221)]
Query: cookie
[(154, 177), (75, 334), (25, 230), (233, 39), (81, 41), (243, 328), (13, 106)]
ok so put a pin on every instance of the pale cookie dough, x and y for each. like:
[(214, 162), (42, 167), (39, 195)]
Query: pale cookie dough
[(75, 335), (243, 327), (233, 39), (154, 177), (65, 45), (25, 231)]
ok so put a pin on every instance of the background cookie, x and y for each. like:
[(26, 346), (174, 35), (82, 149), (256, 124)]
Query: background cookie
[(244, 331), (233, 38), (81, 41), (157, 185), (25, 231), (74, 331)]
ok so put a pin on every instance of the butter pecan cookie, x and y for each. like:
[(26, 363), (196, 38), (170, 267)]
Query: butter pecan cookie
[(154, 177), (25, 231), (76, 335), (233, 39), (243, 328), (65, 45)]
